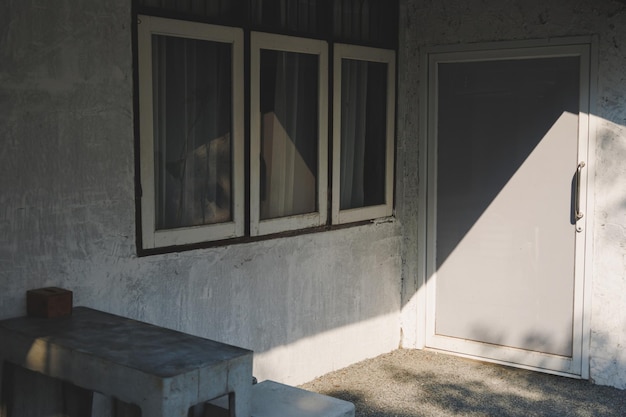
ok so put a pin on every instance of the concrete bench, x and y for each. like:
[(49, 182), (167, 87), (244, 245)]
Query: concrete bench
[(271, 399), (163, 372)]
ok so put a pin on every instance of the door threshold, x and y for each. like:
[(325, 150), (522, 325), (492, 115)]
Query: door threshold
[(503, 363)]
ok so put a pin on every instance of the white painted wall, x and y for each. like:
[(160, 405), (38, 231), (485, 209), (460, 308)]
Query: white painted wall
[(425, 23), (306, 305)]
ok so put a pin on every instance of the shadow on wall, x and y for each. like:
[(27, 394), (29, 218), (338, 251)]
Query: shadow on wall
[(611, 153), (421, 383)]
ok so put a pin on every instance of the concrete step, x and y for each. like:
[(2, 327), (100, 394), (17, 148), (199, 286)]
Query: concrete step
[(272, 399)]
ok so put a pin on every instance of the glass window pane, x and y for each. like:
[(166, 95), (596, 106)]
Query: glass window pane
[(363, 133), (192, 131), (289, 133)]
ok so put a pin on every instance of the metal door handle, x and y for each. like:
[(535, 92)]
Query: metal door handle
[(578, 214)]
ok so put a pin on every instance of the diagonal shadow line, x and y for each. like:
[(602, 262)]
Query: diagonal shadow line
[(501, 116)]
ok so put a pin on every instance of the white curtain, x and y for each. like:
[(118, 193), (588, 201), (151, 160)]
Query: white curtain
[(192, 119), (352, 19), (353, 132), (289, 136)]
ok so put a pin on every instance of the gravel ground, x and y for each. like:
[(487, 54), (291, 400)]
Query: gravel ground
[(416, 383)]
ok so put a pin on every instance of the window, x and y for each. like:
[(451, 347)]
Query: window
[(288, 139), (223, 155), (364, 108), (191, 131)]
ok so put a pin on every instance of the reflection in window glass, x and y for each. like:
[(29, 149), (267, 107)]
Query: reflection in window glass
[(289, 133), (192, 131), (363, 133)]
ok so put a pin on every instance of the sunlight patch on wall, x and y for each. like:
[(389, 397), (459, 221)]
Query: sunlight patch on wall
[(308, 358)]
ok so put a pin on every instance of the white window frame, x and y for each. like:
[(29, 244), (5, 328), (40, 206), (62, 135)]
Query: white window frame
[(284, 43), (152, 238), (345, 51)]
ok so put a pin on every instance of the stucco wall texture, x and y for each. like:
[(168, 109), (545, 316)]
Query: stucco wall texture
[(307, 304), (426, 24)]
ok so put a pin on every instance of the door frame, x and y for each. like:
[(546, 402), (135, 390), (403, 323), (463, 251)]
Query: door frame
[(426, 222)]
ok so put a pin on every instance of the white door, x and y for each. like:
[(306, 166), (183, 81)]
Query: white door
[(507, 148)]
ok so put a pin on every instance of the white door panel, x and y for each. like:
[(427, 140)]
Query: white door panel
[(505, 140)]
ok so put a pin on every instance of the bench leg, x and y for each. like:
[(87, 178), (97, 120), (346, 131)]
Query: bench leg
[(28, 393), (77, 401), (6, 387)]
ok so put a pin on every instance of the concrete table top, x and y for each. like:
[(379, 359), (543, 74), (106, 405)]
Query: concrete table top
[(162, 371)]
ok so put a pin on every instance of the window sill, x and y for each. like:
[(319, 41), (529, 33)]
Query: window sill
[(141, 252)]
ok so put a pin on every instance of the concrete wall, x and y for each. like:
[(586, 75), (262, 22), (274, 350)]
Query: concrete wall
[(425, 23), (306, 305)]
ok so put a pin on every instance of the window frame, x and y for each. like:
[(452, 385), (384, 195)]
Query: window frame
[(369, 54), (151, 237), (285, 43)]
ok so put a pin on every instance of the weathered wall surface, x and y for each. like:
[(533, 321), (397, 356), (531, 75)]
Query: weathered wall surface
[(425, 23), (306, 305)]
